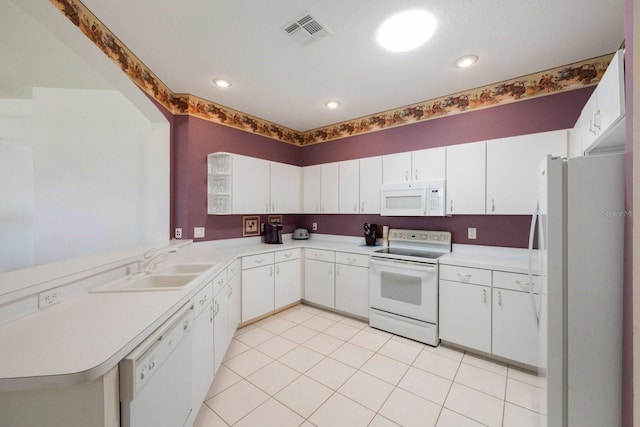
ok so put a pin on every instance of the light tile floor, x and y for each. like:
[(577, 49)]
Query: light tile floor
[(309, 367)]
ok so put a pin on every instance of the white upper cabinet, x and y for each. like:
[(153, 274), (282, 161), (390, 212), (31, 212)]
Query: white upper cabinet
[(286, 188), (250, 185), (311, 189), (396, 168), (349, 186), (370, 183), (599, 125), (512, 165), (416, 166), (466, 179), (329, 179), (429, 164)]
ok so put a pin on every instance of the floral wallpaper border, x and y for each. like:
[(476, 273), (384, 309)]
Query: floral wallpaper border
[(569, 77)]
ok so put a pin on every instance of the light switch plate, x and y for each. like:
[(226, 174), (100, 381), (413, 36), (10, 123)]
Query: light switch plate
[(198, 232)]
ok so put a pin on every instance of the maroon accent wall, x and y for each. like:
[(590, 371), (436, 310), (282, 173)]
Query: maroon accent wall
[(553, 112), (194, 138), (492, 230)]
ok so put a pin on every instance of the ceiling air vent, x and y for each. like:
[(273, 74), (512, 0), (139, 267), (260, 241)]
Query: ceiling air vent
[(306, 29)]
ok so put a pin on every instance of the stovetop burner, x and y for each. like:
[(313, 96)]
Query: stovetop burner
[(416, 245)]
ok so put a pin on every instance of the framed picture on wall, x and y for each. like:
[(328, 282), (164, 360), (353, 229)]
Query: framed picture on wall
[(251, 225), (274, 219)]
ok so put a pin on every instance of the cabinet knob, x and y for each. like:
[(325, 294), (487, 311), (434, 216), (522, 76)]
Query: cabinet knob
[(493, 205), (416, 174), (406, 175), (451, 206), (484, 296), (267, 207), (337, 270), (273, 207), (362, 207), (355, 206)]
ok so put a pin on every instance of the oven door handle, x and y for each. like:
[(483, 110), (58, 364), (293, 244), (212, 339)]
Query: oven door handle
[(409, 265)]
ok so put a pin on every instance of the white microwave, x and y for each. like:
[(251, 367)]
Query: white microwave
[(417, 199)]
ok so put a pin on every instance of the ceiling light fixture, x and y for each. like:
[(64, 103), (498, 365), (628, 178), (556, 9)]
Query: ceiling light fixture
[(406, 30), (332, 104), (466, 61), (222, 83)]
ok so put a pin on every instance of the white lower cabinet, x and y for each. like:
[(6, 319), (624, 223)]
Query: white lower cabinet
[(337, 280), (465, 314), (490, 311), (287, 286), (203, 351), (220, 326), (234, 284), (319, 279), (352, 284), (270, 281)]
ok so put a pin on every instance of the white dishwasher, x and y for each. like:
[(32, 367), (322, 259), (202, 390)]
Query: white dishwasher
[(155, 378)]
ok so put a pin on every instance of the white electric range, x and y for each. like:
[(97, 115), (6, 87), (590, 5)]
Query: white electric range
[(403, 284)]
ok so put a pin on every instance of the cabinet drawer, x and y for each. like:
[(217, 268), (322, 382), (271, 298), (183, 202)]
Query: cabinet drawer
[(287, 255), (352, 259), (203, 299), (252, 261), (234, 268), (515, 281), (319, 255), (474, 276), (219, 281)]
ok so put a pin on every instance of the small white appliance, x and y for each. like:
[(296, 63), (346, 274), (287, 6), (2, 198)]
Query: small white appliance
[(416, 199), (580, 223), (155, 378), (403, 284)]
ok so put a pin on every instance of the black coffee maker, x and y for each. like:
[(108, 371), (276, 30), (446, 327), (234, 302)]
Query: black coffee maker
[(273, 233)]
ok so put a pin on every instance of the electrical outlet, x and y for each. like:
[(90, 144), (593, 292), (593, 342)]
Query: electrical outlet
[(471, 233), (198, 232), (314, 226), (262, 227), (48, 298), (178, 233)]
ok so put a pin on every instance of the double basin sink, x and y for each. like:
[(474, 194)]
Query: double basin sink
[(171, 278)]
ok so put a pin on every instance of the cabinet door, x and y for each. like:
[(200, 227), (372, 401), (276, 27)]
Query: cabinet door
[(250, 185), (220, 327), (311, 190), (396, 168), (203, 356), (235, 304), (257, 292), (465, 315), (349, 186), (588, 125), (352, 290), (466, 178), (610, 94), (370, 183), (515, 330), (288, 286), (329, 175), (428, 165), (319, 282), (512, 165), (286, 188)]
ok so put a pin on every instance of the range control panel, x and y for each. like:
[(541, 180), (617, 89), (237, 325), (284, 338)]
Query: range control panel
[(420, 236)]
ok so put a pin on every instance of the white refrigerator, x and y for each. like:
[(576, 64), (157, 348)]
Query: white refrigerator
[(580, 228)]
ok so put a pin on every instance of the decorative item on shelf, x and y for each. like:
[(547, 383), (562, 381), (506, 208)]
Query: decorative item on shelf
[(274, 219), (370, 233), (250, 225)]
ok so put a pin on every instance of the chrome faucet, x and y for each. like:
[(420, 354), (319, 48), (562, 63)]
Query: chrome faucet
[(146, 264)]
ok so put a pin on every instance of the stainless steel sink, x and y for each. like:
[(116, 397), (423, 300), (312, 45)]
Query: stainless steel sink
[(150, 282), (186, 268)]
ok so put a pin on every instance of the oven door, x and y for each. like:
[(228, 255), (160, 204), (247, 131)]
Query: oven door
[(405, 288)]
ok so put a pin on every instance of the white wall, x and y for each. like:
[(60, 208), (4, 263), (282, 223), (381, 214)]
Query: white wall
[(98, 180)]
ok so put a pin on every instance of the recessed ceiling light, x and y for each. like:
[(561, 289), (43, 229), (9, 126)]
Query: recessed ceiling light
[(466, 61), (406, 30), (222, 82), (332, 104)]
